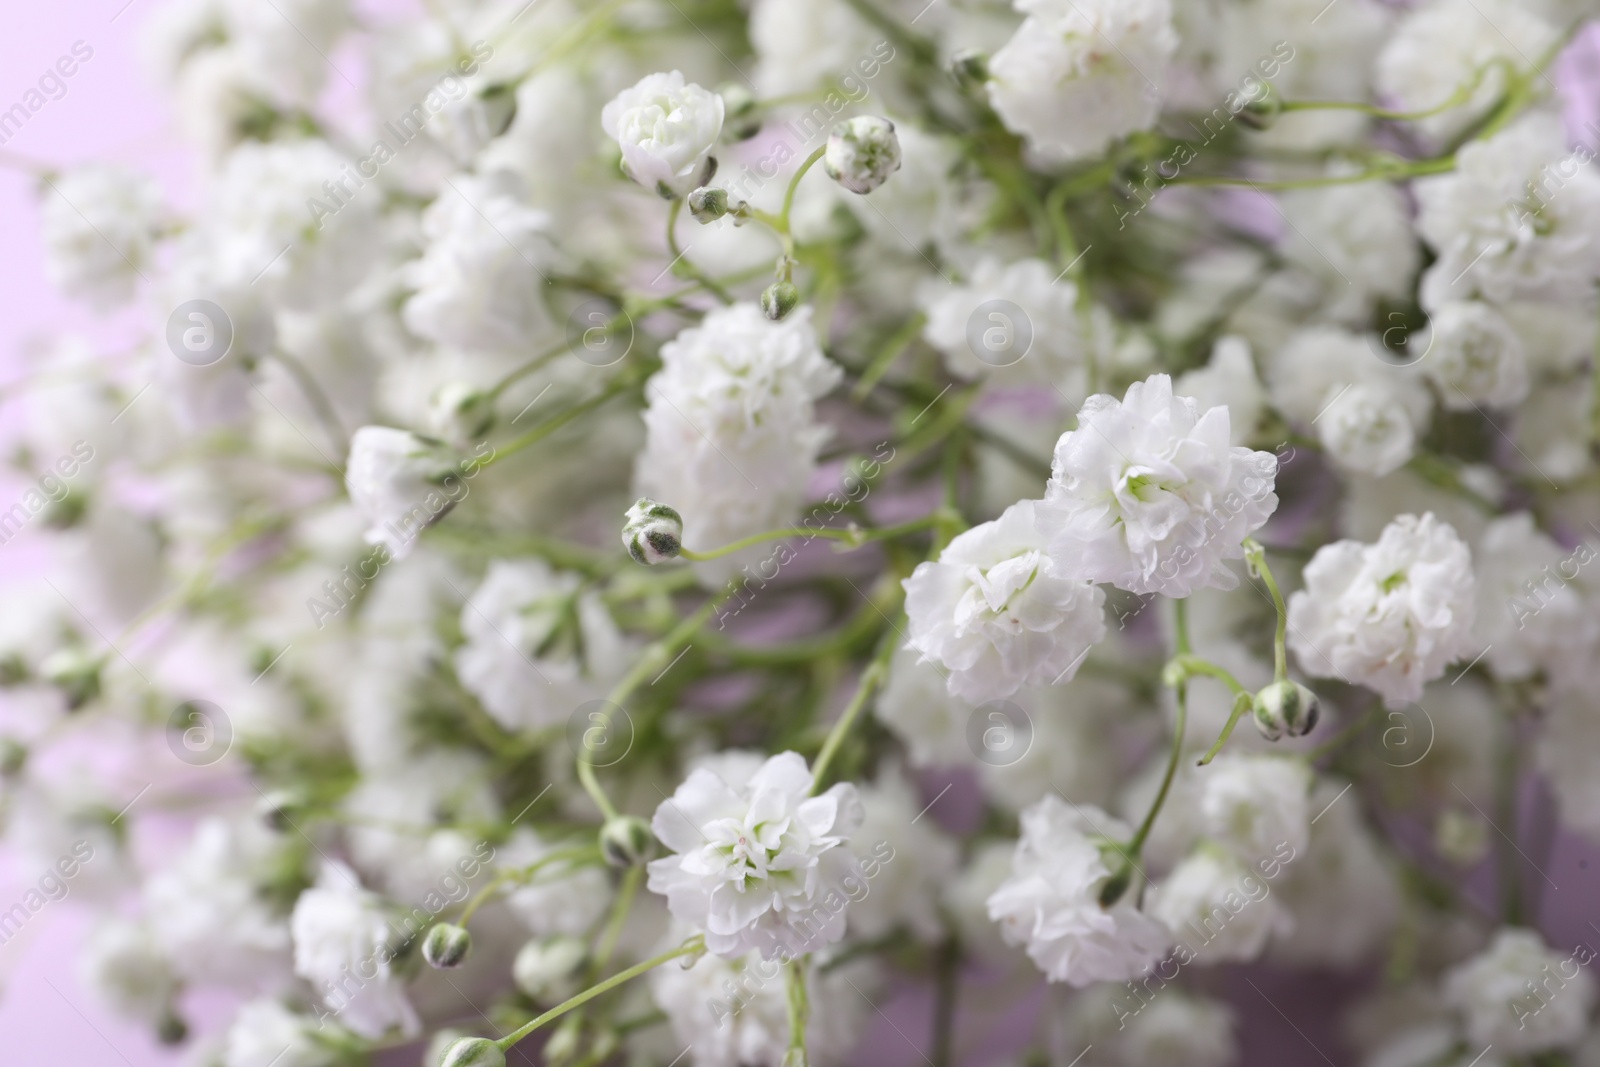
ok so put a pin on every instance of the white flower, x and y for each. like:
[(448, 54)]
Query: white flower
[(1219, 907), (265, 1033), (1050, 903), (562, 897), (1345, 898), (1149, 495), (1515, 219), (907, 861), (1475, 358), (759, 867), (1443, 46), (345, 947), (538, 644), (735, 1012), (929, 201), (1367, 413), (861, 153), (1072, 732), (402, 483), (211, 913), (1255, 806), (1081, 73), (732, 432), (977, 328), (1389, 615), (1531, 614), (124, 964), (287, 42), (801, 47), (917, 706), (1229, 380), (966, 901), (998, 614), (1127, 1027), (99, 228), (480, 283), (1356, 238), (666, 129), (1521, 996)]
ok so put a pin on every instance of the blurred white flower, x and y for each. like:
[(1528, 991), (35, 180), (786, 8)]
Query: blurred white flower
[(666, 129)]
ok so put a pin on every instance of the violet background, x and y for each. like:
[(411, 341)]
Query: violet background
[(113, 111)]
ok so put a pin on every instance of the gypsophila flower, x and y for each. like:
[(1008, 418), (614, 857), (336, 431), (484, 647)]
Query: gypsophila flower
[(979, 331), (99, 229), (342, 935), (1050, 903), (666, 128), (1076, 76), (1389, 615), (1475, 358), (265, 1033), (1521, 995), (1255, 806), (998, 614), (402, 483), (762, 866), (1220, 905), (1149, 495)]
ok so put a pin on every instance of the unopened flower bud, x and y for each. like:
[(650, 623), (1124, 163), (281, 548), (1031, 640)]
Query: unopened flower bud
[(171, 1030), (652, 532), (1261, 114), (75, 673), (626, 841), (461, 413), (741, 118), (1285, 709), (708, 204), (278, 808), (1460, 838), (778, 299), (13, 756), (446, 946), (970, 68), (862, 152), (547, 969), (473, 1052)]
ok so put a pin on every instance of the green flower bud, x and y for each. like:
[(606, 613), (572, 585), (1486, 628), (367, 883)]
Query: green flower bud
[(461, 413), (1285, 709), (741, 118), (446, 946), (473, 1052), (547, 969), (707, 204), (652, 532), (778, 299), (75, 673), (970, 68), (171, 1030), (862, 152), (278, 808), (626, 841)]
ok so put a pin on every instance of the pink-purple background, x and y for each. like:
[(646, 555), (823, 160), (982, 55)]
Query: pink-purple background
[(112, 111)]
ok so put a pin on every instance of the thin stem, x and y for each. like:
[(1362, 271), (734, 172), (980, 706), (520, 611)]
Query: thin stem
[(892, 349), (1242, 703), (945, 994), (678, 257), (853, 536), (1256, 555), (529, 367), (314, 394), (1456, 99), (518, 874), (551, 425), (619, 916), (794, 184), (876, 674), (799, 1009), (1181, 627), (693, 946)]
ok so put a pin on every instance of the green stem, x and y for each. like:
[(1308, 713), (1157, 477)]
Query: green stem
[(1242, 703), (619, 916), (1256, 556), (855, 537), (876, 674), (551, 425), (527, 368), (799, 1010), (1181, 627), (689, 268), (519, 874), (794, 184), (693, 946), (314, 394), (897, 343)]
